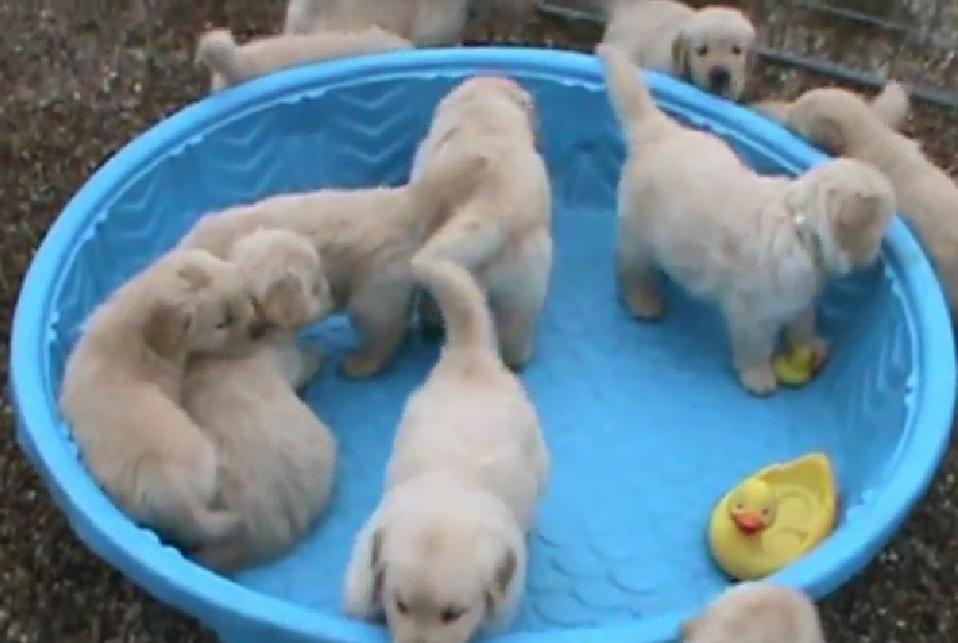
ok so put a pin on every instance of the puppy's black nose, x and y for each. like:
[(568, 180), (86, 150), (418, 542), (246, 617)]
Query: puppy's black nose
[(258, 329), (719, 79)]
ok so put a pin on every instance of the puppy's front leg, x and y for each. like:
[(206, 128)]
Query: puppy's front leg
[(801, 332), (379, 313), (753, 343), (638, 281)]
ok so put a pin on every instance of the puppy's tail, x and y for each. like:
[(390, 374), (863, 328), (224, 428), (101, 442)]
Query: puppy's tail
[(468, 321), (217, 49), (891, 105), (630, 97)]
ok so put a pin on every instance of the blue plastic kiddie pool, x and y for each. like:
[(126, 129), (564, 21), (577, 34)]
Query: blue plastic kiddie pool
[(647, 423)]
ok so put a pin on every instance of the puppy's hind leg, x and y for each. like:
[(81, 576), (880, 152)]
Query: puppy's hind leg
[(380, 314), (518, 294), (635, 271)]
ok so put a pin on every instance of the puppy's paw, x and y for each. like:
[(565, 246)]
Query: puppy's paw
[(644, 303), (759, 379), (362, 364), (821, 351)]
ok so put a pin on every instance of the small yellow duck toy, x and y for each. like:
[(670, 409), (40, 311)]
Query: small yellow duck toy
[(797, 366), (773, 517)]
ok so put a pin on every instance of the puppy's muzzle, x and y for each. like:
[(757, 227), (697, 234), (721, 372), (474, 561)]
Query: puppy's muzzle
[(719, 79), (258, 329)]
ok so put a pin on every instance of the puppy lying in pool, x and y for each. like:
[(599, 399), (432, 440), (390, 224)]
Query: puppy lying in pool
[(757, 613), (843, 123), (424, 22), (502, 232), (762, 248), (709, 47), (366, 239), (123, 384), (444, 553), (231, 63), (276, 457)]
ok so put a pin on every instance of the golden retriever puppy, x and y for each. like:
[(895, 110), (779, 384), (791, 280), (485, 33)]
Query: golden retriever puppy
[(424, 22), (762, 252), (843, 123), (502, 233), (231, 63), (366, 239), (122, 391), (757, 613), (276, 457), (709, 47), (890, 105), (444, 554)]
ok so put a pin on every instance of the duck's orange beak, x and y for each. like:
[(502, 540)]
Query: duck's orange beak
[(748, 523)]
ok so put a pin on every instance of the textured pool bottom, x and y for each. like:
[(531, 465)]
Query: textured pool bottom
[(647, 423), (620, 534)]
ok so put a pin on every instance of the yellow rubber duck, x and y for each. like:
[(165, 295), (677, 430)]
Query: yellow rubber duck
[(797, 366), (773, 517)]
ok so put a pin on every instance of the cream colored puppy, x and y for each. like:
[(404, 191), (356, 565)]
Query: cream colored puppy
[(843, 123), (122, 391), (424, 22), (890, 105), (502, 233), (231, 63), (762, 252), (276, 457), (757, 613), (710, 47), (444, 553), (366, 239)]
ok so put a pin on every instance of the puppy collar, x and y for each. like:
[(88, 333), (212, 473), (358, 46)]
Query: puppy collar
[(812, 242)]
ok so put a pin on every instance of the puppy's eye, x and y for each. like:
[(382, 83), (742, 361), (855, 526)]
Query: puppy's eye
[(401, 606), (227, 319), (703, 50), (451, 614), (736, 50)]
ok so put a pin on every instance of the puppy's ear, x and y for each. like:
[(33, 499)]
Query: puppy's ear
[(194, 276), (503, 577), (283, 301), (681, 64), (166, 327), (366, 575)]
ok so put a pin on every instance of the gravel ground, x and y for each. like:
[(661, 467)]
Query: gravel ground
[(81, 83)]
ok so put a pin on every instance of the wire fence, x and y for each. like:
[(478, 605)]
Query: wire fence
[(863, 42)]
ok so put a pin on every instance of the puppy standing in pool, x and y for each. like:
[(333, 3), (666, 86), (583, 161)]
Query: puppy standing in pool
[(276, 457), (444, 553), (757, 613), (502, 232), (762, 248), (366, 239), (123, 384), (710, 47)]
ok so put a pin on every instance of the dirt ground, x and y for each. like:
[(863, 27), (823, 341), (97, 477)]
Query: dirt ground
[(83, 78)]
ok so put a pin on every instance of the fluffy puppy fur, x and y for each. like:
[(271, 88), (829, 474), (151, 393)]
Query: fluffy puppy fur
[(763, 252), (276, 458), (709, 47), (842, 123), (424, 22), (231, 63), (147, 453), (757, 613), (502, 233), (890, 105), (444, 554), (366, 239)]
